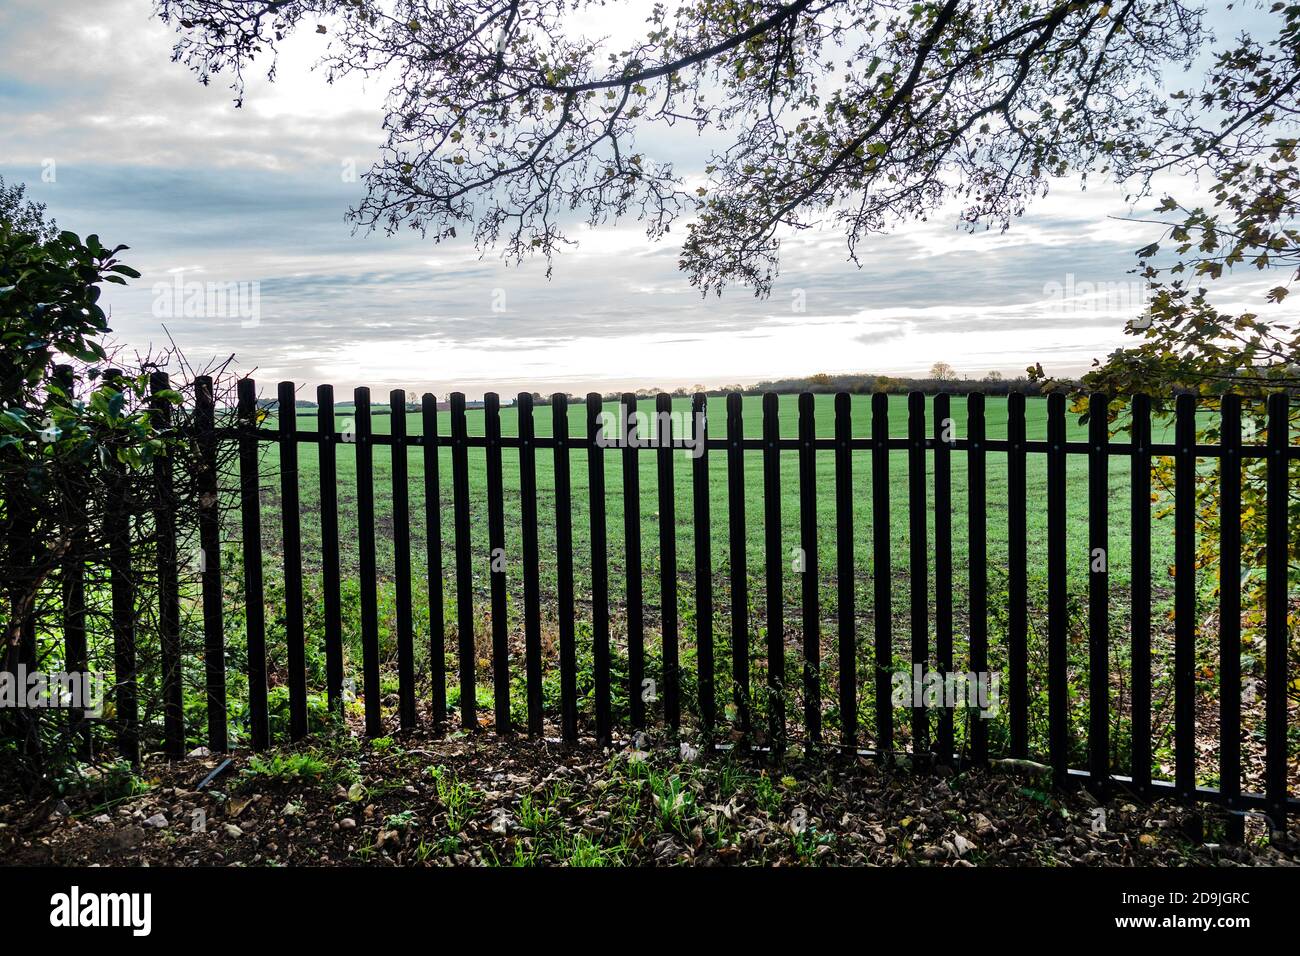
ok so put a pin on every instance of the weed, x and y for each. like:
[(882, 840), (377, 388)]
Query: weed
[(583, 851), (536, 816), (767, 796), (673, 799), (285, 768), (458, 798), (402, 820)]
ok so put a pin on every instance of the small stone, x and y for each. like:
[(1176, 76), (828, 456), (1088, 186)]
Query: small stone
[(157, 821), (101, 819), (232, 830), (348, 823), (200, 752)]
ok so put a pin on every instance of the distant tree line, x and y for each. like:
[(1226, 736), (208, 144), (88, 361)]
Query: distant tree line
[(942, 379), (945, 381)]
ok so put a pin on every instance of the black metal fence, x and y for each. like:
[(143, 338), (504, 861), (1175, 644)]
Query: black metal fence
[(927, 597)]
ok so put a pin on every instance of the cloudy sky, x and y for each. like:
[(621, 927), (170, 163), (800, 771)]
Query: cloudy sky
[(120, 141)]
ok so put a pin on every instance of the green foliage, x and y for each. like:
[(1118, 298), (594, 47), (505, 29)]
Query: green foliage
[(25, 215), (285, 768), (766, 795), (102, 784), (458, 799), (536, 815), (584, 852), (49, 308), (1237, 134), (674, 801), (402, 820), (76, 444), (807, 840), (49, 303)]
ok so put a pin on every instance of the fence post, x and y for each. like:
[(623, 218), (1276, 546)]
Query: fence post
[(367, 563), (564, 569), (497, 563), (329, 535), (812, 635), (880, 569), (919, 553), (1017, 577), (1185, 597), (287, 416), (632, 546), (979, 596), (599, 572), (667, 559), (739, 571), (169, 611), (703, 533), (464, 563), (402, 559), (1057, 688), (1276, 625), (433, 558), (844, 578), (1140, 593), (254, 597), (214, 645), (532, 562), (944, 432), (773, 561), (123, 592), (1230, 612), (1099, 592)]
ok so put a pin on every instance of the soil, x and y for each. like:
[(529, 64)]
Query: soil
[(475, 799)]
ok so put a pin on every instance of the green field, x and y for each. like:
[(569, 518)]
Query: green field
[(996, 419), (901, 577)]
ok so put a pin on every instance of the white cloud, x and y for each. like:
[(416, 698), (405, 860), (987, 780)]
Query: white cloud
[(149, 157)]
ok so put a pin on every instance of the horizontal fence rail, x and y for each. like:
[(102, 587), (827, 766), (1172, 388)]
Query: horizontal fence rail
[(712, 631)]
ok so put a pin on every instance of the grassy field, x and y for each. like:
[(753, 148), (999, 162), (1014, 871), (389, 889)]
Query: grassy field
[(902, 578), (996, 417), (898, 533)]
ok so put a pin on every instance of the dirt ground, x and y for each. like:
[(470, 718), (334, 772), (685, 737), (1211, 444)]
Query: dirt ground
[(479, 800)]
